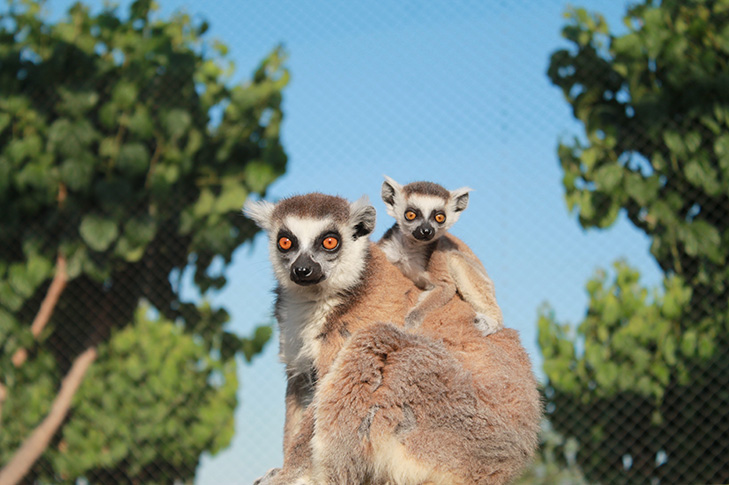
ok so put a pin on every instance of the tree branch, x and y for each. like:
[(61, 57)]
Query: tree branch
[(3, 396), (46, 310), (33, 447)]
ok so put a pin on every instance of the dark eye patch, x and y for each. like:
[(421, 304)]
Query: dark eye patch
[(417, 212), (287, 234), (325, 235), (438, 212)]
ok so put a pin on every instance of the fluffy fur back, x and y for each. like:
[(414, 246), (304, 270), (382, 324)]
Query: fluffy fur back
[(442, 404)]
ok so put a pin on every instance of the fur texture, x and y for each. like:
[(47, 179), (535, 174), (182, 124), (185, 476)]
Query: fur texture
[(440, 404), (377, 404), (419, 244)]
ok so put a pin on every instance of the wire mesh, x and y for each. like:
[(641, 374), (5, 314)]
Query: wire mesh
[(136, 341)]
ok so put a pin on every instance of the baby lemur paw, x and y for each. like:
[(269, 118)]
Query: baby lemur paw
[(413, 319), (423, 283), (486, 324)]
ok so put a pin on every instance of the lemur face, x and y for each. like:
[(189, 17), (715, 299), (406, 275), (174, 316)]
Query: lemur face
[(423, 210), (317, 243)]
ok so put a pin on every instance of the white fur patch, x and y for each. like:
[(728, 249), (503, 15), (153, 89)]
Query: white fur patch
[(426, 203), (307, 229), (395, 464), (300, 322), (260, 212)]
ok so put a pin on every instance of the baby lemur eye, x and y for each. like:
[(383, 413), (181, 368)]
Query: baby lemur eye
[(410, 215), (284, 243), (330, 243), (440, 218)]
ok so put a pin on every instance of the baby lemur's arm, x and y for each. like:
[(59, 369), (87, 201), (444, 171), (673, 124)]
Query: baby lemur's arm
[(439, 290), (477, 289)]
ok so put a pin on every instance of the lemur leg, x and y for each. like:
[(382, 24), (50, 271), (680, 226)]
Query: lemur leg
[(396, 407), (341, 451), (298, 430), (297, 457), (476, 288)]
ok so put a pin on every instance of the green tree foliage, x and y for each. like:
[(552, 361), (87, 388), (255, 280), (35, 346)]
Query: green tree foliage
[(126, 150), (641, 382)]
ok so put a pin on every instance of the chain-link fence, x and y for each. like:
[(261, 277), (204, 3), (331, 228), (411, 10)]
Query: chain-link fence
[(136, 340)]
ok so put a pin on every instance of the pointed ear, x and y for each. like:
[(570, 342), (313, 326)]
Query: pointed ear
[(362, 216), (260, 212), (459, 198), (390, 190)]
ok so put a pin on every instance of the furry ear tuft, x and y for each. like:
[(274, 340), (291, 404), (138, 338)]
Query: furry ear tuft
[(362, 216), (459, 198), (260, 212), (389, 191)]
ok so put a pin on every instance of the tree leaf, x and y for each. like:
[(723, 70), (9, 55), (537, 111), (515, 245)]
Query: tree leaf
[(176, 122), (259, 175), (98, 232), (133, 158), (231, 198), (78, 172)]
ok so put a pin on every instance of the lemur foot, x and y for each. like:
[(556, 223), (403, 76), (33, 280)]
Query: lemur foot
[(275, 477), (486, 324), (266, 479), (269, 478)]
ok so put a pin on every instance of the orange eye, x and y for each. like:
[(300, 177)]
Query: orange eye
[(410, 215), (284, 243), (440, 218), (330, 243)]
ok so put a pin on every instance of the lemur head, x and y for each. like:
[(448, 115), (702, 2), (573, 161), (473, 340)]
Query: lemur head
[(423, 210), (318, 243)]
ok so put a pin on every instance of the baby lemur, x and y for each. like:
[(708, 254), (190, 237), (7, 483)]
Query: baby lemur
[(419, 244)]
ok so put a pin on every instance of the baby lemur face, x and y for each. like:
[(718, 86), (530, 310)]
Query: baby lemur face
[(423, 210), (317, 242)]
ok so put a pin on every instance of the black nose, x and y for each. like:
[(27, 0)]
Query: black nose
[(424, 233), (305, 271)]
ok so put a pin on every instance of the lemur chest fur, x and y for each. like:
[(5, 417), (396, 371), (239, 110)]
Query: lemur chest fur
[(412, 260), (301, 322)]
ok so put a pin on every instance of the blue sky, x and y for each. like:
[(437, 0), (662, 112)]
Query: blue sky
[(445, 90)]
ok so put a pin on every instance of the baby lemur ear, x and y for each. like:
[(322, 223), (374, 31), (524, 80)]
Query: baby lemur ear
[(459, 198), (260, 212), (390, 190), (362, 216)]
